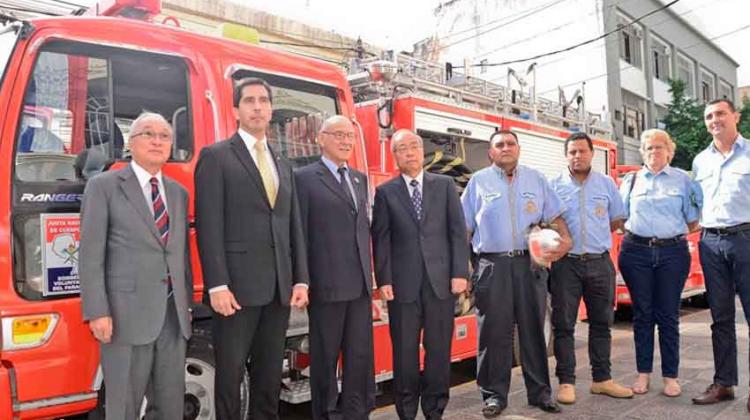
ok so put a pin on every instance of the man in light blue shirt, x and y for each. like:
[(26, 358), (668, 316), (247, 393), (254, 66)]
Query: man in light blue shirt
[(593, 210), (501, 203), (723, 172)]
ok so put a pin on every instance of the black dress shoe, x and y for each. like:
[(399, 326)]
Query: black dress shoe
[(549, 406), (491, 409)]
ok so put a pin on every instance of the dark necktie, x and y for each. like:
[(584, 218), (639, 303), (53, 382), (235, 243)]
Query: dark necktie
[(416, 198), (345, 185), (161, 217)]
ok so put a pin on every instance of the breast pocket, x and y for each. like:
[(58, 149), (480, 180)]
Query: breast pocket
[(530, 204), (739, 179), (492, 203), (598, 206)]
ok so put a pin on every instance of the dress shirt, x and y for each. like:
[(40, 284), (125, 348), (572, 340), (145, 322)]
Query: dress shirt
[(725, 183), (250, 141), (500, 212), (144, 180), (420, 181), (590, 207), (335, 172), (662, 204)]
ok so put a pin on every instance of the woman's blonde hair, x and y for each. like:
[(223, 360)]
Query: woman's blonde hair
[(656, 134)]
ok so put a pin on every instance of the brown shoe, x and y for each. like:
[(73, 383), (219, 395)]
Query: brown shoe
[(713, 394), (611, 388)]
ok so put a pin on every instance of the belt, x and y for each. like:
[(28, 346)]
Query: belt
[(731, 230), (654, 242), (588, 256), (508, 254)]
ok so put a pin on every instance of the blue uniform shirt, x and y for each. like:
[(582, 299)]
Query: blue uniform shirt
[(660, 205), (500, 213), (589, 209), (725, 183)]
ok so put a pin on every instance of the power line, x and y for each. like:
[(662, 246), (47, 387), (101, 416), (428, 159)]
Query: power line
[(732, 32), (548, 31), (668, 19), (492, 22), (578, 45), (530, 13)]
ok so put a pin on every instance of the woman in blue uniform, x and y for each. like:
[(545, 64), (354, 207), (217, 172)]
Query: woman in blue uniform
[(662, 205)]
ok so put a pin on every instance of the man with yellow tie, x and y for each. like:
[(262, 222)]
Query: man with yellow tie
[(252, 252)]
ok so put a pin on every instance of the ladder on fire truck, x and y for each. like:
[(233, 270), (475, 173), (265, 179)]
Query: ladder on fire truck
[(383, 77)]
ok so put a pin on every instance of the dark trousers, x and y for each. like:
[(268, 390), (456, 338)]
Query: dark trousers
[(655, 277), (346, 328), (433, 317), (257, 332), (594, 280), (507, 289), (726, 267)]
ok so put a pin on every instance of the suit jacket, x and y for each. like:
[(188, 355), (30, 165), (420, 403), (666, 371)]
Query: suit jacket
[(245, 244), (337, 233), (123, 264), (407, 250)]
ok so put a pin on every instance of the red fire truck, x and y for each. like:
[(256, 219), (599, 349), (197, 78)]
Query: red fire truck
[(70, 88)]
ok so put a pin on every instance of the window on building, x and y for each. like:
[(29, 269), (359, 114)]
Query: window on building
[(707, 86), (725, 91), (686, 73), (660, 53), (634, 122), (634, 110), (631, 40)]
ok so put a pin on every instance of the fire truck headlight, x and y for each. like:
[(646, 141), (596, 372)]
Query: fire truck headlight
[(24, 332)]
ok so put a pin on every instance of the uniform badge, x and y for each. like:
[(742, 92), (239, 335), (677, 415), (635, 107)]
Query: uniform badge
[(530, 207), (600, 211)]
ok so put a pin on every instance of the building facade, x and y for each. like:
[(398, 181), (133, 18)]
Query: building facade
[(623, 76)]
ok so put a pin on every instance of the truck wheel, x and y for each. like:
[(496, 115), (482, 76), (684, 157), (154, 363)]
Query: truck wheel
[(200, 369), (199, 383)]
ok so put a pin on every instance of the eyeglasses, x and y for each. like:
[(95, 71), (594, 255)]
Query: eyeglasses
[(163, 136), (340, 135), (410, 147)]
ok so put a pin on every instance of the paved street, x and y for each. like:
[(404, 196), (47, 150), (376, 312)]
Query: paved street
[(696, 371)]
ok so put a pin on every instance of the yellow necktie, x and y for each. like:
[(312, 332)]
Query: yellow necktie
[(265, 172)]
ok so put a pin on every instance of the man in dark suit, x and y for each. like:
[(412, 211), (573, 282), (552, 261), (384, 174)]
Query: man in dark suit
[(252, 252), (421, 262), (334, 207), (136, 282)]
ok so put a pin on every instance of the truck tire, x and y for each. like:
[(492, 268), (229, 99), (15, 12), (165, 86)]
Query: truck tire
[(200, 369), (199, 383)]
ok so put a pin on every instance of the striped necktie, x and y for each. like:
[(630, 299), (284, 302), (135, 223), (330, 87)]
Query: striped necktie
[(161, 217)]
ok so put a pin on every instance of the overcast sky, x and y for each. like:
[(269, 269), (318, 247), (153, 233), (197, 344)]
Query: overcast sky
[(397, 24)]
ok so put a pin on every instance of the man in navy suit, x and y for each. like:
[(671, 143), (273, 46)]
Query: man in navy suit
[(334, 211), (421, 263)]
